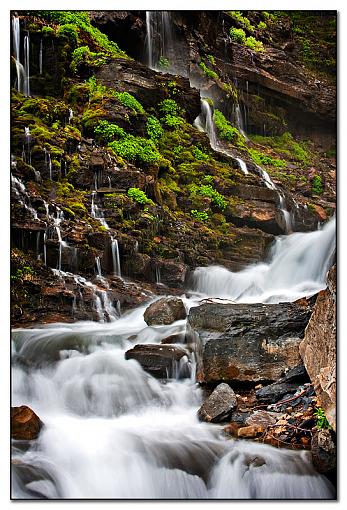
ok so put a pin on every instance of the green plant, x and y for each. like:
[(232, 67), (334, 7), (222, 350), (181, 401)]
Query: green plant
[(199, 215), (173, 121), (254, 44), (208, 179), (70, 31), (226, 131), (211, 59), (106, 132), (136, 148), (238, 35), (317, 185), (321, 420), (163, 63), (206, 190), (199, 154), (25, 273), (129, 101), (84, 55), (208, 71), (264, 159), (139, 196), (262, 25), (47, 31), (169, 106), (172, 86), (154, 128), (242, 20)]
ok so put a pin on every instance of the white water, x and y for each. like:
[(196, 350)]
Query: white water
[(113, 431), (27, 65), (297, 267), (40, 57), (115, 257), (159, 40), (16, 50)]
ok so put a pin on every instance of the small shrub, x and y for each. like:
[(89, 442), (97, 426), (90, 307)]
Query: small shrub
[(129, 101), (254, 44), (208, 71), (84, 55), (225, 130), (262, 25), (173, 121), (211, 59), (199, 215), (321, 420), (135, 148), (206, 190), (169, 106), (317, 185), (263, 159), (199, 154), (163, 63), (242, 20), (47, 31), (70, 31), (238, 35), (106, 132), (153, 127), (139, 196)]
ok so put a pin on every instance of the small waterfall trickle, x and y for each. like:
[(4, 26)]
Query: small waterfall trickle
[(115, 257), (149, 40), (20, 81), (27, 65), (98, 267), (70, 115), (160, 50), (62, 244), (41, 57), (23, 196)]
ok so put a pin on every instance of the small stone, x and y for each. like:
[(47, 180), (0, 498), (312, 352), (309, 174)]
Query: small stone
[(165, 311), (250, 431), (219, 405), (25, 424)]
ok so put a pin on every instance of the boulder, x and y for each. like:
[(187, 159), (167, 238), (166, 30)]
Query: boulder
[(162, 361), (250, 432), (246, 342), (165, 311), (323, 451), (274, 392), (25, 424), (262, 418), (318, 348), (219, 405)]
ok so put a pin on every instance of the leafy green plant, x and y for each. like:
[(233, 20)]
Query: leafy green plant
[(154, 128), (70, 31), (211, 59), (47, 31), (264, 159), (254, 44), (136, 148), (106, 132), (199, 215), (139, 196), (208, 71), (169, 106), (84, 55), (262, 25), (238, 35), (199, 154), (321, 420), (317, 185), (25, 273), (129, 101), (226, 131), (206, 190), (173, 121), (242, 20), (163, 63)]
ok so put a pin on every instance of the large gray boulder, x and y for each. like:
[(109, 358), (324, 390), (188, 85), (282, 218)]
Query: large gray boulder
[(219, 405), (165, 311), (246, 342)]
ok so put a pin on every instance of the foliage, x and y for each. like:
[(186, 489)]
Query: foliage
[(136, 149), (25, 273), (129, 101), (172, 86), (226, 131), (70, 31), (211, 59), (84, 55), (81, 20), (264, 159), (262, 25), (242, 20), (254, 44), (199, 215), (317, 185), (169, 106), (173, 121), (286, 144), (321, 420), (139, 196), (199, 154), (206, 190), (153, 127), (208, 71), (238, 35), (106, 131), (163, 63), (47, 31)]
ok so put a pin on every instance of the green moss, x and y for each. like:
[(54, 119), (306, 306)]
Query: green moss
[(254, 44), (105, 131), (226, 131), (317, 185), (83, 55), (169, 106), (206, 190), (238, 35), (264, 159), (69, 31), (154, 128), (47, 31), (129, 101), (199, 215), (139, 196), (209, 72), (242, 20), (136, 149)]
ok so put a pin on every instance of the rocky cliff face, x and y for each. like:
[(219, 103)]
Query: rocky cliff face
[(318, 349), (98, 122)]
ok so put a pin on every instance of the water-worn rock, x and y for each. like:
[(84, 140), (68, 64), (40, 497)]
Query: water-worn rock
[(219, 405), (250, 432), (262, 418), (318, 349), (323, 451), (161, 360), (285, 385), (25, 424), (165, 311), (246, 342)]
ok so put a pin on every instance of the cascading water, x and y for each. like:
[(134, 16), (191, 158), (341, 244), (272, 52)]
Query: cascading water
[(160, 51), (115, 257), (27, 65), (41, 57), (127, 435), (16, 54), (297, 267)]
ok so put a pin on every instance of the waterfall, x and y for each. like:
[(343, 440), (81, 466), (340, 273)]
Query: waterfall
[(40, 57), (115, 257), (239, 120), (98, 266), (160, 41), (149, 40), (70, 115), (243, 166), (297, 267), (27, 65), (62, 244), (97, 213), (16, 54)]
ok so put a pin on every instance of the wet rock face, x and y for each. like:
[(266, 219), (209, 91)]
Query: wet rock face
[(284, 386), (323, 451), (246, 342), (161, 361), (25, 424), (219, 405), (165, 311), (318, 349)]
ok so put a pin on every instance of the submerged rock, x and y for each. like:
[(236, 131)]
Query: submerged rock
[(219, 405), (246, 342), (318, 349), (165, 311), (161, 361), (25, 424)]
